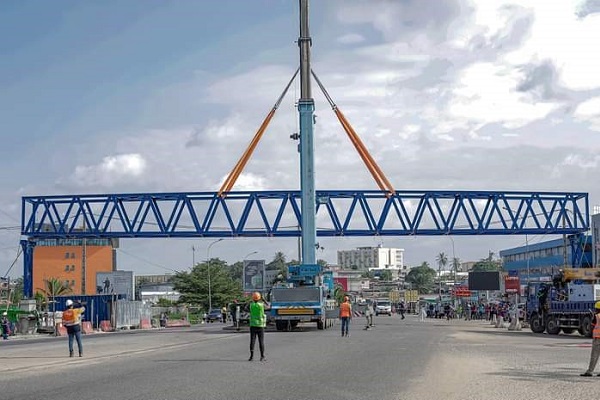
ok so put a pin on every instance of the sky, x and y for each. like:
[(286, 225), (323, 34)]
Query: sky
[(155, 96)]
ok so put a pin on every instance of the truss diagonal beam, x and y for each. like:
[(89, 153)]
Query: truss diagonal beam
[(277, 214)]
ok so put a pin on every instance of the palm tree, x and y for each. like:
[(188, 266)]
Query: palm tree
[(442, 260), (54, 287)]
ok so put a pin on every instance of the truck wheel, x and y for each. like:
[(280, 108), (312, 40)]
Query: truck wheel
[(280, 325), (536, 324), (552, 326), (586, 326)]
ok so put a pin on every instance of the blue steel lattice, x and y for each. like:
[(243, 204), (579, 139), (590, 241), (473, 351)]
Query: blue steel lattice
[(277, 214)]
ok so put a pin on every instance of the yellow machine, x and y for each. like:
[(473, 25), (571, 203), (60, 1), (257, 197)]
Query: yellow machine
[(584, 274)]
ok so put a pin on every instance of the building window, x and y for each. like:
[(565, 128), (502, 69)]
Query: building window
[(73, 282), (66, 255), (72, 255), (67, 268), (72, 268)]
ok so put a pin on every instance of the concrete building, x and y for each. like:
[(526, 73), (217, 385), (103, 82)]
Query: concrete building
[(75, 262), (152, 293), (372, 258), (540, 261)]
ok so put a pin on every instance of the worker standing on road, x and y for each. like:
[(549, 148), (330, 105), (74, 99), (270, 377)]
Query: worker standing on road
[(258, 323), (345, 315), (595, 342), (71, 319), (5, 326)]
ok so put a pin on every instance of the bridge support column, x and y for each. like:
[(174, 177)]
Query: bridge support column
[(28, 246)]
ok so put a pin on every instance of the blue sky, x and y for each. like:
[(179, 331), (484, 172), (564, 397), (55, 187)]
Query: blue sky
[(130, 96)]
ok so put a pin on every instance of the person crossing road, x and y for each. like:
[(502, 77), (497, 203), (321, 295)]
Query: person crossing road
[(595, 342), (346, 316)]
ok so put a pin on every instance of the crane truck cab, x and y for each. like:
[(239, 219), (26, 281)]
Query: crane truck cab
[(566, 304)]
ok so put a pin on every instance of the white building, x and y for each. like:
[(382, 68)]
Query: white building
[(370, 258)]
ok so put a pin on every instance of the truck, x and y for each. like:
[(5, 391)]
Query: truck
[(301, 299), (566, 304)]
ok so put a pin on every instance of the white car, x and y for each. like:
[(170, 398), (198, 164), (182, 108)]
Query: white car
[(383, 307)]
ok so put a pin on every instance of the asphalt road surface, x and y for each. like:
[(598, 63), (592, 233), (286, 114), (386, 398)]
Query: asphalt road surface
[(397, 359)]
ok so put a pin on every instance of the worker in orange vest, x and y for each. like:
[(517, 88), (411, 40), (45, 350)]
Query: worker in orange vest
[(345, 315), (595, 342)]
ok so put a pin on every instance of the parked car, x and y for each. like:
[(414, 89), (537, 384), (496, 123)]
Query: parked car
[(214, 315), (383, 307)]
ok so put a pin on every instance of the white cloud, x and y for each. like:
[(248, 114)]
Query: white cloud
[(351, 38), (589, 111), (112, 170), (486, 93), (558, 34)]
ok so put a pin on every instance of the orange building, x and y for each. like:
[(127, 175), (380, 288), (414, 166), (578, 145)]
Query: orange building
[(74, 262)]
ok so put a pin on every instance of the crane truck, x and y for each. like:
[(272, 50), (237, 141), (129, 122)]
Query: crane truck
[(301, 299), (566, 304)]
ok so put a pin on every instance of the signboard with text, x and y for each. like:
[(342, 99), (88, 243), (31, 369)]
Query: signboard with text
[(512, 284), (254, 275)]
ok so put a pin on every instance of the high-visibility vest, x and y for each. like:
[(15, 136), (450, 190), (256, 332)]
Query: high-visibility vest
[(345, 309), (596, 331)]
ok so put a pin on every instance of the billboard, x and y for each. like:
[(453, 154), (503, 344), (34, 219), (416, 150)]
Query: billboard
[(485, 280), (115, 282), (254, 275), (512, 284)]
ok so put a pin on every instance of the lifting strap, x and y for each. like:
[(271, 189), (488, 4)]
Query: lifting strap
[(376, 172), (239, 167)]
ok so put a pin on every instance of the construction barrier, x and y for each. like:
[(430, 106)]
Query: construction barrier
[(61, 330), (86, 327), (105, 326), (178, 323), (145, 323)]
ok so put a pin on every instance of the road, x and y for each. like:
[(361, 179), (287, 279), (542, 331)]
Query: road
[(396, 360)]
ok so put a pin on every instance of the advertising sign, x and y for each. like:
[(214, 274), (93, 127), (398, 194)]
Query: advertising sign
[(343, 282), (512, 284), (254, 275), (115, 282)]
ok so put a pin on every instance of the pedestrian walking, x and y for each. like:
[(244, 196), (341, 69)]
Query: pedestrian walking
[(5, 326), (595, 341), (258, 323), (346, 316), (369, 316), (71, 319), (402, 309)]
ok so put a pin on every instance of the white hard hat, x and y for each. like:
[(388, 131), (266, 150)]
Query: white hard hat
[(4, 313), (69, 303)]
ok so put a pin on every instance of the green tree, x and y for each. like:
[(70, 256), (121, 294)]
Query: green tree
[(16, 295), (339, 293), (280, 265), (193, 285), (488, 264), (236, 271), (422, 278), (368, 275), (53, 287), (386, 275)]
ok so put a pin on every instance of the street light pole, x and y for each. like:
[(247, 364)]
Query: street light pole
[(249, 254), (208, 267)]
